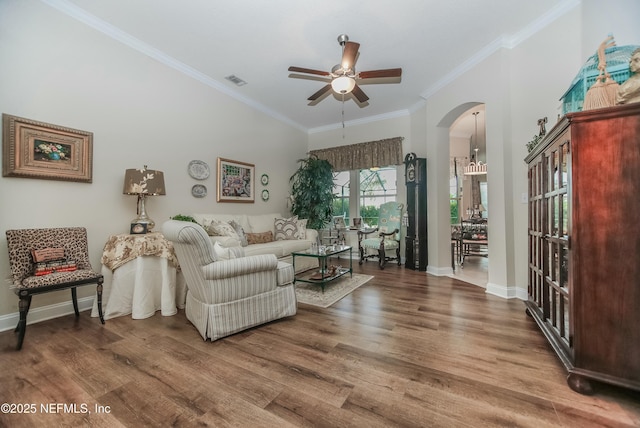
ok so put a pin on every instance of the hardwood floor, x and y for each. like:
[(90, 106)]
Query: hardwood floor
[(405, 349), (475, 271)]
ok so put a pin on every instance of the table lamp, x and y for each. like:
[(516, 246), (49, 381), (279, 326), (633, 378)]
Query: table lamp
[(143, 182)]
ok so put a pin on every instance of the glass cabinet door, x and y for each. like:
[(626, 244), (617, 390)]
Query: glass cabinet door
[(536, 231), (555, 294)]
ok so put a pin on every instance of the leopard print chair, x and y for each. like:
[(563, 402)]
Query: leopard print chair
[(30, 278)]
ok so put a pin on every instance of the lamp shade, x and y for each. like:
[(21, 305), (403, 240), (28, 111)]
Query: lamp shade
[(343, 84), (143, 182)]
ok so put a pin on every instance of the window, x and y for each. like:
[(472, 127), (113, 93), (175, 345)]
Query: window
[(375, 187), (341, 191), (454, 200), (483, 199)]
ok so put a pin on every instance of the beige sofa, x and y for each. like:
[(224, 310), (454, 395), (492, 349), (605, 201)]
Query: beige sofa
[(260, 225)]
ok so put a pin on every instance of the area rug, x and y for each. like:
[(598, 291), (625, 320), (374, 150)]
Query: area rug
[(312, 294)]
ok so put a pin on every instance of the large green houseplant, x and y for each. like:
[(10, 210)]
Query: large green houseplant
[(312, 192)]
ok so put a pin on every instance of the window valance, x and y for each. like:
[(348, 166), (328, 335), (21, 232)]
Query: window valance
[(363, 155)]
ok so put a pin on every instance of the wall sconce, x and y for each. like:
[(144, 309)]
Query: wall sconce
[(143, 182)]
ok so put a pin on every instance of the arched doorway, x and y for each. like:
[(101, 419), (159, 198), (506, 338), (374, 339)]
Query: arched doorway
[(468, 197)]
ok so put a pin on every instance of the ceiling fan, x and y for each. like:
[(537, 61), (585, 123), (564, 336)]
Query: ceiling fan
[(343, 76)]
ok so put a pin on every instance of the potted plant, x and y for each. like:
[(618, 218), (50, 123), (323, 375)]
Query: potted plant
[(181, 217), (312, 192)]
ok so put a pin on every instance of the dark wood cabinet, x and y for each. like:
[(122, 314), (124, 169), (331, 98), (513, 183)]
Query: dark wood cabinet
[(584, 244), (416, 238)]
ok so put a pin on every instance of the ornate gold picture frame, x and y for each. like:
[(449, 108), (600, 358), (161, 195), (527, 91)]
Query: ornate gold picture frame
[(235, 181), (34, 149)]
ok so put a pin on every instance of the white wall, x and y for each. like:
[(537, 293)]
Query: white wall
[(518, 85), (354, 133), (57, 70)]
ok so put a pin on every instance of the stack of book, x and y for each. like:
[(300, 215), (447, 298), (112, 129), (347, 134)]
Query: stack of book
[(45, 268)]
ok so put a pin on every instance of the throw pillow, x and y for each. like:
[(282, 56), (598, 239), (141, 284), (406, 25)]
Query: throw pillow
[(221, 228), (302, 228), (206, 225), (240, 231), (47, 254), (222, 253), (286, 228), (259, 238)]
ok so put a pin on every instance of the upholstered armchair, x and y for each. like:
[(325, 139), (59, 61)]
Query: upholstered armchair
[(384, 240), (44, 260), (227, 292)]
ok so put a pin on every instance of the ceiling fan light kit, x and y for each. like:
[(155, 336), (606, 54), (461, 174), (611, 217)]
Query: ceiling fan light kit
[(343, 84), (344, 79)]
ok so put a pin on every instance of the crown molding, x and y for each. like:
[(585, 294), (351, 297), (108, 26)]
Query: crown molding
[(503, 42), (539, 24), (125, 38)]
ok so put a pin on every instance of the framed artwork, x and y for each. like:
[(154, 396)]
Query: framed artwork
[(235, 181), (33, 149), (138, 229)]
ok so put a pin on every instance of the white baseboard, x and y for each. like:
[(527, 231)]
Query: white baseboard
[(445, 271), (9, 322), (506, 292), (522, 294)]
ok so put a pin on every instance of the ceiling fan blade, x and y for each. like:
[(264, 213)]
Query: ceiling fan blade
[(359, 94), (320, 93), (372, 74), (308, 71), (349, 55), (325, 79)]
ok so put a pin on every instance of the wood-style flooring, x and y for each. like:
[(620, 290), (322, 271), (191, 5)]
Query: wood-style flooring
[(405, 350)]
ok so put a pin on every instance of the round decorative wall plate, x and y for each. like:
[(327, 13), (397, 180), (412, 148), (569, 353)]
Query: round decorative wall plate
[(265, 195), (199, 191), (264, 179), (198, 170)]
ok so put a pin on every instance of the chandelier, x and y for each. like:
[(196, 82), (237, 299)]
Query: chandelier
[(475, 167)]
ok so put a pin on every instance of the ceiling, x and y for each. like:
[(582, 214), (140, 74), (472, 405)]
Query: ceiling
[(432, 41)]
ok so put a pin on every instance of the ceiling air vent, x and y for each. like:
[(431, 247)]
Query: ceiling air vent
[(236, 80)]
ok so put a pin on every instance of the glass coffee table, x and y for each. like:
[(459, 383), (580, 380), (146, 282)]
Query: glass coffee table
[(326, 273)]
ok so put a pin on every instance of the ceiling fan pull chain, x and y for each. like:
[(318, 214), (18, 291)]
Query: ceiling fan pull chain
[(343, 116)]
